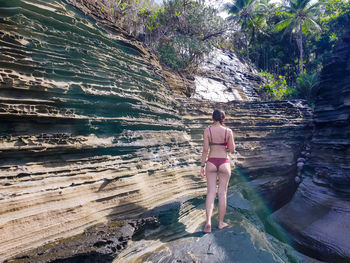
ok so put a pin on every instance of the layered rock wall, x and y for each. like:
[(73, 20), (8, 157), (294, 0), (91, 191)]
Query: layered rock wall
[(318, 215), (90, 131)]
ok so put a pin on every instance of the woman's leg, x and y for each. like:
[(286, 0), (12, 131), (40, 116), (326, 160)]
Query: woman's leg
[(224, 177), (211, 173)]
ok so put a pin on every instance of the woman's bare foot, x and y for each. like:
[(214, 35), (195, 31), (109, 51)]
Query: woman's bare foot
[(222, 225), (207, 228)]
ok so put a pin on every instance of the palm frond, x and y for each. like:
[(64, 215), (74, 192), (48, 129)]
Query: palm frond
[(306, 27), (287, 14), (313, 24), (283, 24)]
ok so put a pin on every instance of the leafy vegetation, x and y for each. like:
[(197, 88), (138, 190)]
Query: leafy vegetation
[(307, 86), (287, 40), (193, 29), (291, 39), (299, 17), (180, 31), (276, 88)]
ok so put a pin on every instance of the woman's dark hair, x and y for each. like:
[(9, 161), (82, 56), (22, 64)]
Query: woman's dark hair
[(219, 115)]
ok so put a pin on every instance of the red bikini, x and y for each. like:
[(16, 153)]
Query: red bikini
[(218, 161)]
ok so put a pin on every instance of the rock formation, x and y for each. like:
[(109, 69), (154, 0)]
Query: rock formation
[(244, 241), (318, 216), (223, 77), (90, 131), (181, 239)]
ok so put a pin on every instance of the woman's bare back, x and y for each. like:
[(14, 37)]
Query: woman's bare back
[(219, 135)]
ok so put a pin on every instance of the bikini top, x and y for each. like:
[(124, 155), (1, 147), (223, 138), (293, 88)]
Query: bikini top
[(213, 143)]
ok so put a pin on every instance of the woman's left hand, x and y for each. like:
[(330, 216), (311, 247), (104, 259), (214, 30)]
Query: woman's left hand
[(202, 172)]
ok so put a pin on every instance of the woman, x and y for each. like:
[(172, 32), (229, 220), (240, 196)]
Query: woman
[(216, 139)]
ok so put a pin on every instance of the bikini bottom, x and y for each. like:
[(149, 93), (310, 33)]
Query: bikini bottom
[(218, 161)]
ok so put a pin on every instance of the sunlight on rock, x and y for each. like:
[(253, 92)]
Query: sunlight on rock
[(213, 90)]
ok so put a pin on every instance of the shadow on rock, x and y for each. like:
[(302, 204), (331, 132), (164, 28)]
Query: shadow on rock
[(172, 219), (99, 243)]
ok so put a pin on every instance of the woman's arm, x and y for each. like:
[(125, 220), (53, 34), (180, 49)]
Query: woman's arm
[(231, 142), (205, 151)]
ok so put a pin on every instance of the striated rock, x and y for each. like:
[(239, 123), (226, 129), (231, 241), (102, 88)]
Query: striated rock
[(91, 132), (182, 86), (318, 215), (229, 245), (99, 243)]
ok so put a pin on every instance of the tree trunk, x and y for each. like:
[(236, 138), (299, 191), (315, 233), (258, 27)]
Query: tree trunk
[(301, 48), (247, 45)]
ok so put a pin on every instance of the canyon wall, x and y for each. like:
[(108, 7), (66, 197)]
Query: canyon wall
[(91, 132), (318, 215)]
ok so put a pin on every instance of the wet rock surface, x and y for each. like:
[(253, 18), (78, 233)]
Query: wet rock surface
[(318, 215), (232, 244), (245, 240)]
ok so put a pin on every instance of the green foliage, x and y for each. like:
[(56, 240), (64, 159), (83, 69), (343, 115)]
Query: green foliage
[(333, 21), (307, 86), (299, 17), (276, 88), (192, 27), (169, 56), (250, 16), (277, 52), (181, 32), (132, 15)]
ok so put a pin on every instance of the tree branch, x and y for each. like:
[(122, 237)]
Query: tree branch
[(212, 35)]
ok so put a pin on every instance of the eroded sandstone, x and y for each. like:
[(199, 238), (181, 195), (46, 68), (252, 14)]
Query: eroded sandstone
[(318, 215), (91, 132), (100, 243)]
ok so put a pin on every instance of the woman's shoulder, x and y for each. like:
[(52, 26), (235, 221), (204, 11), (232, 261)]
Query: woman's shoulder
[(207, 129), (229, 130)]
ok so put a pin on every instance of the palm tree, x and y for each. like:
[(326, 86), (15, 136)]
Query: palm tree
[(300, 18), (249, 14)]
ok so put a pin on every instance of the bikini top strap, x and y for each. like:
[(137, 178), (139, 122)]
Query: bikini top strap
[(225, 135), (211, 136)]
